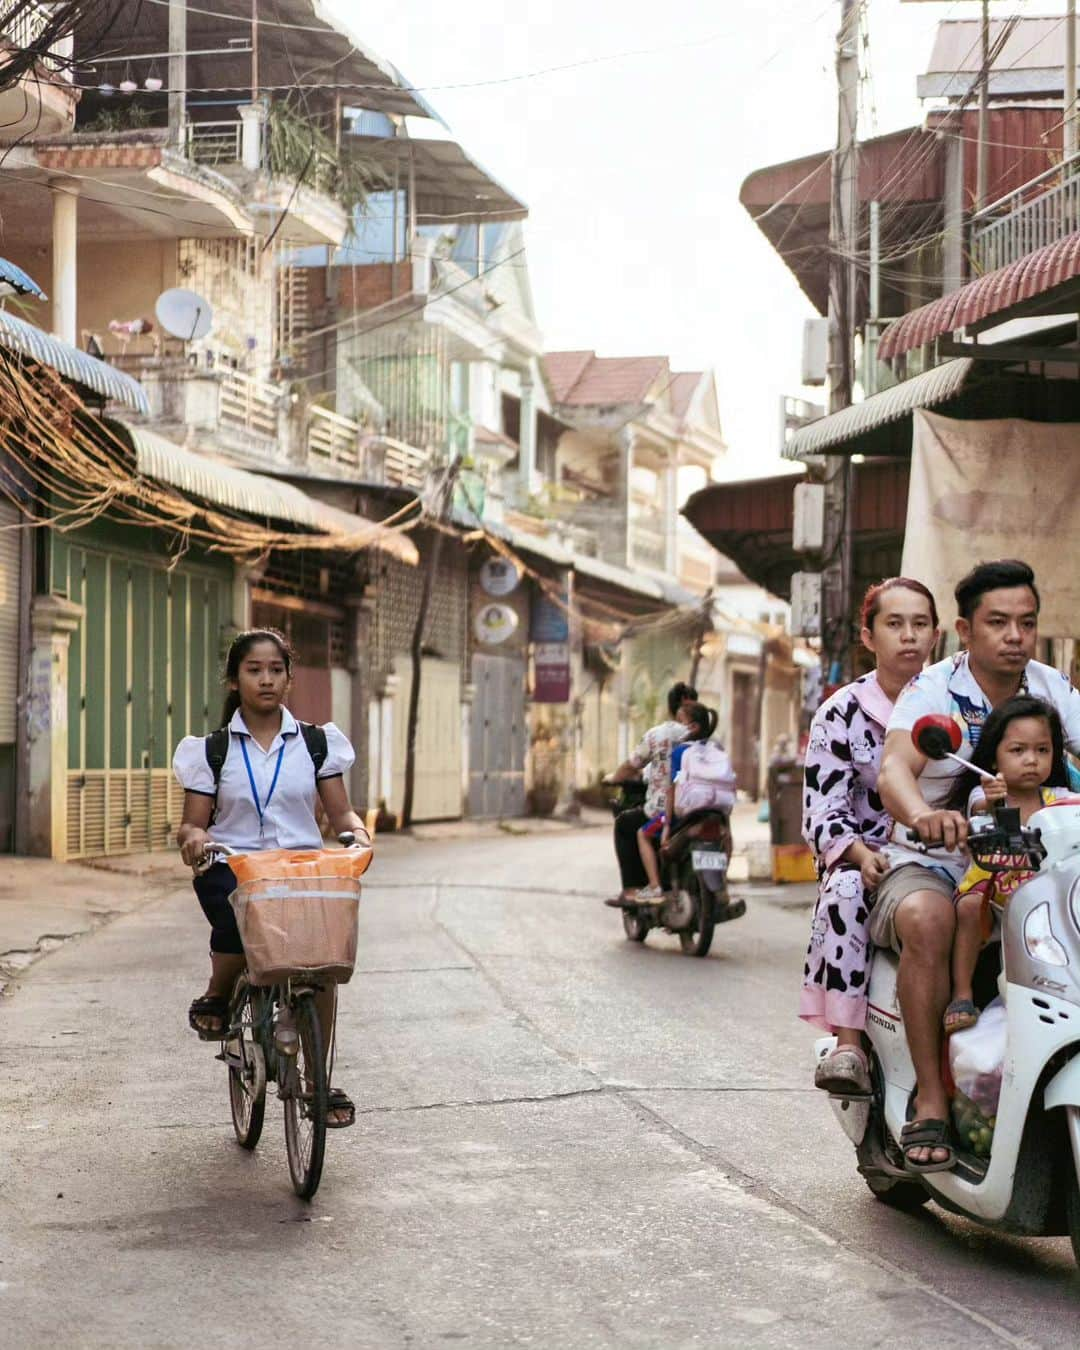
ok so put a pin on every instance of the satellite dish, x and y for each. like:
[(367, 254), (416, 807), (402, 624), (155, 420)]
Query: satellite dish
[(184, 314)]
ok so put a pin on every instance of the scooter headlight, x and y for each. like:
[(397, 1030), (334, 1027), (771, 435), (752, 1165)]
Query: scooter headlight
[(1039, 938)]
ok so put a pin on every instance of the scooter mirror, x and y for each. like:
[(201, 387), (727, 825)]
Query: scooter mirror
[(936, 735)]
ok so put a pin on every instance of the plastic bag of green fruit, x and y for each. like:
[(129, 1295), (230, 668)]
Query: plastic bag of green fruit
[(974, 1131)]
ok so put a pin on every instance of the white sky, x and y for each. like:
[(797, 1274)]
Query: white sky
[(631, 166)]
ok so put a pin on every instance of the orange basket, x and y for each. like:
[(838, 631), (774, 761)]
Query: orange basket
[(297, 912)]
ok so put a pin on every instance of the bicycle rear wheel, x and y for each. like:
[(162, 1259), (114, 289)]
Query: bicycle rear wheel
[(305, 1101), (247, 1068)]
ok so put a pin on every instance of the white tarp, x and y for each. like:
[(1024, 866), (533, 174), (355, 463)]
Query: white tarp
[(1001, 489)]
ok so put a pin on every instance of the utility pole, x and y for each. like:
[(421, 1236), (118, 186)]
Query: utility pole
[(177, 70), (1070, 81), (441, 511), (254, 50), (843, 275), (982, 167)]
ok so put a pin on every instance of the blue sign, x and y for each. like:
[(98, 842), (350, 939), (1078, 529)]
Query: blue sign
[(550, 617)]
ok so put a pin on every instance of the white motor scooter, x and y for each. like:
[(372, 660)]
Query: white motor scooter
[(1029, 1184)]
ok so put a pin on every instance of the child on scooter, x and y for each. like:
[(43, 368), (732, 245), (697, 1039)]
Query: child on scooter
[(700, 725), (1021, 743)]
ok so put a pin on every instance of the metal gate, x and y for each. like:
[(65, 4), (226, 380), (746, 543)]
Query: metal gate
[(497, 749), (437, 791), (143, 671)]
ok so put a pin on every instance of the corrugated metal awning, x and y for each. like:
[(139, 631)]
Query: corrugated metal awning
[(251, 494), (1037, 273), (19, 336), (838, 432)]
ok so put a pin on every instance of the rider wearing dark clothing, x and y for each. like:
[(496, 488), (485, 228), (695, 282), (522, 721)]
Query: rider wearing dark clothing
[(653, 755)]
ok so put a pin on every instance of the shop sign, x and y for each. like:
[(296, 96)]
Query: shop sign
[(495, 623), (550, 617), (551, 665), (499, 576)]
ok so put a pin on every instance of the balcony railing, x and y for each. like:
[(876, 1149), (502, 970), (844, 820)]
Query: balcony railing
[(213, 143), (27, 26), (648, 548), (333, 439), (221, 143), (1042, 211), (249, 403)]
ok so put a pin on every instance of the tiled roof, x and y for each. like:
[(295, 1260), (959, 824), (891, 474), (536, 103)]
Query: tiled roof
[(588, 380), (683, 387), (563, 370)]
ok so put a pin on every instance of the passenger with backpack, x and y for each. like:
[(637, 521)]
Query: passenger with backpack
[(255, 782), (701, 779)]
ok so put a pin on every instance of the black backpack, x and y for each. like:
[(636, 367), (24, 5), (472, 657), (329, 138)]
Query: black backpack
[(217, 747)]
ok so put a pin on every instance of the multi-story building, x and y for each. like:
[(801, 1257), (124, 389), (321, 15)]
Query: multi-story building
[(966, 309)]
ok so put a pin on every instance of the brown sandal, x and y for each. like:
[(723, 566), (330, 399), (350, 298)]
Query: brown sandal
[(959, 1015)]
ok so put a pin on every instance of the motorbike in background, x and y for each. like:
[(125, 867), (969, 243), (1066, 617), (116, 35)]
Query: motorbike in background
[(693, 874)]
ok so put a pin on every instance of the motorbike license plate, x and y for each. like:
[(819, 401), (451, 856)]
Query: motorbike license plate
[(708, 860)]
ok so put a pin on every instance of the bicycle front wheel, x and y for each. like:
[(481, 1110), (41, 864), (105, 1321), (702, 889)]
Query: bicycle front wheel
[(305, 1101), (247, 1068)]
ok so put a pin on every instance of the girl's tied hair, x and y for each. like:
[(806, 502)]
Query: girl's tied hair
[(705, 719), (238, 649)]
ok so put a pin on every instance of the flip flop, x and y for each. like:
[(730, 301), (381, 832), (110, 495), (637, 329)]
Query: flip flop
[(959, 1015)]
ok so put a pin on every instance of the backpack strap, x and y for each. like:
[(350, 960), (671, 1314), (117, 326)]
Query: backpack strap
[(315, 740), (217, 748)]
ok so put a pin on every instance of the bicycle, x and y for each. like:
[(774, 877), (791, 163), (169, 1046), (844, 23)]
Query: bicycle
[(273, 1034)]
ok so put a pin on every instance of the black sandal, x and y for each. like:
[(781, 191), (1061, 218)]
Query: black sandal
[(928, 1133), (337, 1100), (210, 1005)]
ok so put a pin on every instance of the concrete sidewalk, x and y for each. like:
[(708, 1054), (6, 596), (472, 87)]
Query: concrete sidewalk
[(44, 904)]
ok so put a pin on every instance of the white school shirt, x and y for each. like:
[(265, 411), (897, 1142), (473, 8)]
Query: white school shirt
[(289, 818), (949, 687)]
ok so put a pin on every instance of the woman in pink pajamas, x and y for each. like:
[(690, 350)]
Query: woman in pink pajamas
[(846, 826)]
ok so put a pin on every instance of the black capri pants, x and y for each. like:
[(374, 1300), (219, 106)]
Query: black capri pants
[(213, 888), (631, 868)]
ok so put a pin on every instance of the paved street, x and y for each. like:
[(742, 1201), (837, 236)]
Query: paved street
[(564, 1140)]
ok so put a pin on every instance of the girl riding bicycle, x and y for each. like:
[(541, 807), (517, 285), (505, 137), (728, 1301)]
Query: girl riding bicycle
[(261, 795)]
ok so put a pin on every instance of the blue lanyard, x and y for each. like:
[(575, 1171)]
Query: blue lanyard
[(251, 779)]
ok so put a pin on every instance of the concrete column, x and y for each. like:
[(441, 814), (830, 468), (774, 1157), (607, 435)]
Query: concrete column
[(468, 698), (53, 620), (386, 738), (671, 515), (253, 117), (953, 233), (65, 276), (527, 440), (625, 464), (362, 609)]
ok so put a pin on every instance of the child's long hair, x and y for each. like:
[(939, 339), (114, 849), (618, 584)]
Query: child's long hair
[(993, 733), (241, 645), (705, 719)]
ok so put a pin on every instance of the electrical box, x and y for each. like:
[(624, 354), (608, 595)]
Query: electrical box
[(806, 604), (815, 351), (808, 526)]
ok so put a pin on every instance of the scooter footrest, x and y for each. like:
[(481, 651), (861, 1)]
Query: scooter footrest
[(734, 909)]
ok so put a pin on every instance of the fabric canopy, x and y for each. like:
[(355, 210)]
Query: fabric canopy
[(1003, 489)]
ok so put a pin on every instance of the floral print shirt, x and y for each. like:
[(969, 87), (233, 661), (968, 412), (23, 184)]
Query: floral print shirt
[(841, 805), (653, 754)]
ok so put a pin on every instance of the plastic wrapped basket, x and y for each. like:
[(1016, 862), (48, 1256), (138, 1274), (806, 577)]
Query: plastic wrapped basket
[(297, 912)]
